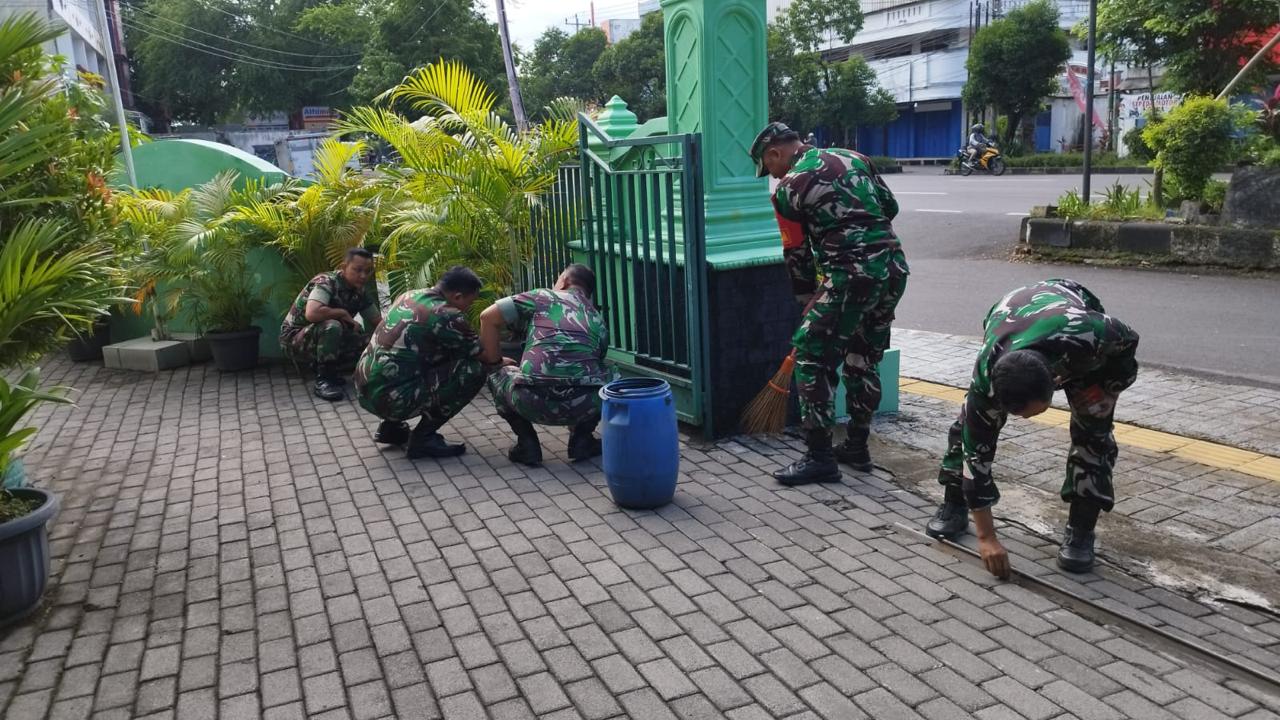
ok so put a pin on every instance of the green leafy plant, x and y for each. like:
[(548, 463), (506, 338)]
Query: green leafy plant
[(1196, 139), (1215, 195), (197, 252), (1118, 203), (16, 400), (1071, 206), (57, 272), (1139, 150), (1071, 160), (465, 182)]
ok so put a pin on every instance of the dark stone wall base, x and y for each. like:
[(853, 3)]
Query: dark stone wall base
[(752, 315)]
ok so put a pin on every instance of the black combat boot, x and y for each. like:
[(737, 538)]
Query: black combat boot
[(818, 464), (1076, 553), (425, 442), (583, 444), (328, 384), (392, 432), (527, 450), (952, 518), (853, 451)]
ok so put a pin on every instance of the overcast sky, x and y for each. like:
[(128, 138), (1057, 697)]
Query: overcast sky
[(528, 18)]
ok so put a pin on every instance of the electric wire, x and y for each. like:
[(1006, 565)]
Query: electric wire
[(224, 53), (155, 16)]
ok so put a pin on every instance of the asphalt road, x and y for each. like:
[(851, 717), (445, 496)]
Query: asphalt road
[(957, 233)]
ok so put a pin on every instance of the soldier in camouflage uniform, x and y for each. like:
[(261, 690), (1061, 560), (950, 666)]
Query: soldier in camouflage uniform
[(559, 376), (1054, 334), (845, 262), (424, 361), (320, 329)]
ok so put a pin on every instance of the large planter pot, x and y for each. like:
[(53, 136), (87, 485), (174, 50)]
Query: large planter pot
[(24, 557), (234, 351), (84, 348)]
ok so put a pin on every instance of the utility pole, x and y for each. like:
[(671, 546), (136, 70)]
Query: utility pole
[(1088, 101), (125, 148), (513, 84), (593, 13), (576, 24), (1111, 109)]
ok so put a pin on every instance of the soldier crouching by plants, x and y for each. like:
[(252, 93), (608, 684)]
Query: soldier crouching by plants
[(1054, 334), (425, 361), (561, 371), (320, 330)]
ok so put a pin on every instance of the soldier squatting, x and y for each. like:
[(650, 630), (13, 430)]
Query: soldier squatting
[(847, 270)]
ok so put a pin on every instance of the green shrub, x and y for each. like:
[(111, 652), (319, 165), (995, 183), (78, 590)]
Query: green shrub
[(1195, 140), (1215, 195), (1065, 160), (1118, 203), (1139, 150), (1271, 158), (882, 162)]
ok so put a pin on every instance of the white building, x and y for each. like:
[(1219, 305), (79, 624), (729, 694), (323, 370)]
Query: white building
[(918, 49), (617, 30), (82, 45)]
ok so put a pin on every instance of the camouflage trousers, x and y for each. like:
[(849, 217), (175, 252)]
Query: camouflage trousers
[(436, 393), (544, 404), (328, 343), (1093, 452), (849, 324)]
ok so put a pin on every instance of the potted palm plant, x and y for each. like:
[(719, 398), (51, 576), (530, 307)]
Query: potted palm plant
[(88, 346), (224, 299), (24, 511)]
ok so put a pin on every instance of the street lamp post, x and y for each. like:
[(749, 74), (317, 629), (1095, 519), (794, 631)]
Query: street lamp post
[(125, 148), (1088, 101)]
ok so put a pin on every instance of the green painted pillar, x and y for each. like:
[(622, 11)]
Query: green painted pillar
[(717, 85)]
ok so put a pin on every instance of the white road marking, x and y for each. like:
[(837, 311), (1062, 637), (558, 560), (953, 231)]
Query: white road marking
[(1019, 214), (952, 212)]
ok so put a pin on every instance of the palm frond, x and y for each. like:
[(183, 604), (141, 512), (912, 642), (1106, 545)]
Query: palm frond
[(445, 87)]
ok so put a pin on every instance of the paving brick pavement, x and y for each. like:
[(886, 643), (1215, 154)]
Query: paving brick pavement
[(1234, 414), (211, 561)]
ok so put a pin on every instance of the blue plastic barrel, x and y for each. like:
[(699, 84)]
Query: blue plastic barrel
[(641, 442)]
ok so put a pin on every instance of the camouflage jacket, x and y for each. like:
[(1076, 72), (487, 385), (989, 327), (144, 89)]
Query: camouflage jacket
[(834, 211), (565, 337), (1065, 322), (333, 291)]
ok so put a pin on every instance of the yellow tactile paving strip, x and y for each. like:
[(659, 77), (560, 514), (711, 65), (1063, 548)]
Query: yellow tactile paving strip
[(1198, 451)]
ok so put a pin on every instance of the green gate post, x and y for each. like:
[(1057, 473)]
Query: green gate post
[(717, 85)]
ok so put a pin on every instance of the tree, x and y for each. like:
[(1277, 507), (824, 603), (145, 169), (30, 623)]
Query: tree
[(409, 34), (807, 89), (563, 65), (1193, 142), (1014, 62), (635, 69), (1203, 44), (208, 61)]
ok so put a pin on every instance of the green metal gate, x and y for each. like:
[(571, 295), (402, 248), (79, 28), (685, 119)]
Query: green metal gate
[(632, 210)]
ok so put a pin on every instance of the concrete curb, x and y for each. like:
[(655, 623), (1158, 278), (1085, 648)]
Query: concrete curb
[(1196, 244)]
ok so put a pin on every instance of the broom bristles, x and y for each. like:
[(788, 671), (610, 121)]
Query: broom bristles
[(767, 412)]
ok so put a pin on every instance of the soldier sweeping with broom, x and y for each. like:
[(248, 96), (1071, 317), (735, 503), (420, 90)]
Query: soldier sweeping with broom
[(845, 262)]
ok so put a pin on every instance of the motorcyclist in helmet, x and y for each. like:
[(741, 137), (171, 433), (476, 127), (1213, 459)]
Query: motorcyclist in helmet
[(978, 141)]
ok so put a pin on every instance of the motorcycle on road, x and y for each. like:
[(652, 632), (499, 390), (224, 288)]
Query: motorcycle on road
[(991, 162)]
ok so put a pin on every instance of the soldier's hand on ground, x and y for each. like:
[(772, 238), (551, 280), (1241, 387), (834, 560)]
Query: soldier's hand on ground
[(995, 557)]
